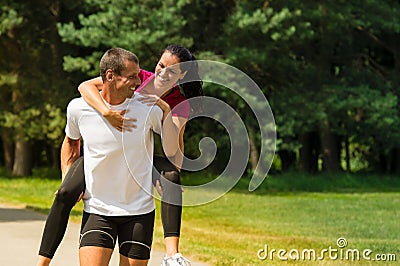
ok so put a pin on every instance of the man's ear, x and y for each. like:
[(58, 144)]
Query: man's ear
[(109, 75)]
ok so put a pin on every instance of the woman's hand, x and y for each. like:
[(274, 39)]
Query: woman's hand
[(151, 99), (117, 120)]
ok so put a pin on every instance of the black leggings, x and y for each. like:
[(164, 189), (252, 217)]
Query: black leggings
[(74, 184)]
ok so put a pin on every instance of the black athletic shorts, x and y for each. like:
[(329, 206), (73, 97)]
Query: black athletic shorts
[(134, 233)]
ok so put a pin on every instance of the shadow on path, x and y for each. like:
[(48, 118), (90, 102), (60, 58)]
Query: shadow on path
[(21, 230), (17, 214)]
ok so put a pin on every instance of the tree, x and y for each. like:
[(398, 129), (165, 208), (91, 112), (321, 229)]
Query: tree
[(144, 27), (31, 76), (310, 57)]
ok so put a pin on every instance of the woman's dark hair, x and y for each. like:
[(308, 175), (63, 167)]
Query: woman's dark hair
[(191, 84)]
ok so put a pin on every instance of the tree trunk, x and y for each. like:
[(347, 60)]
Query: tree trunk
[(23, 157), (288, 159), (55, 157), (8, 148), (347, 152), (308, 156), (396, 162), (392, 162), (254, 155), (382, 163), (330, 149)]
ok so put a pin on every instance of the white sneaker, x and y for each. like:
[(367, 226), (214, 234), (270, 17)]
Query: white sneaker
[(175, 260)]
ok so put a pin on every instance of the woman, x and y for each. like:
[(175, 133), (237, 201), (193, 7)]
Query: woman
[(160, 90)]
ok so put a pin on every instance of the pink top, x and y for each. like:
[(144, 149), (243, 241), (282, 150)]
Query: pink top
[(173, 98)]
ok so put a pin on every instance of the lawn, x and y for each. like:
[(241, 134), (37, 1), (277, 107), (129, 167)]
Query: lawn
[(288, 213)]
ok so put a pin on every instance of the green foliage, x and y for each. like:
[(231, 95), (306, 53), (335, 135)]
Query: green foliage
[(9, 19), (315, 61), (45, 123), (88, 65), (321, 61), (46, 172), (144, 28), (334, 62), (33, 87), (8, 79)]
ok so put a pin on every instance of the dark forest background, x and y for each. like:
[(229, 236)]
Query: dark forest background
[(329, 69)]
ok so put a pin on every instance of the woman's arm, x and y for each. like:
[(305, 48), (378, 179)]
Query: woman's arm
[(90, 93), (170, 126), (170, 134), (180, 123)]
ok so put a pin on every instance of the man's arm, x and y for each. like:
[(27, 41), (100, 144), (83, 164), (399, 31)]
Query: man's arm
[(70, 152)]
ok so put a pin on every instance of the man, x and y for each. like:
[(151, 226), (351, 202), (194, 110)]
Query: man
[(118, 203)]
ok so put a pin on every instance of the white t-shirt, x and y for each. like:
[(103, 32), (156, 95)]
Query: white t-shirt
[(118, 165)]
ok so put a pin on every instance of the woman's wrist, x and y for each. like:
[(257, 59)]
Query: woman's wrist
[(106, 112), (166, 111)]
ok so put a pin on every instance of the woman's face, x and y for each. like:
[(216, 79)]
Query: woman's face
[(167, 71)]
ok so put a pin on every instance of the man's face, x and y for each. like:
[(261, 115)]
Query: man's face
[(128, 81)]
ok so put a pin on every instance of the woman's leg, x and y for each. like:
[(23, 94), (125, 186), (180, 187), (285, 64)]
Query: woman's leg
[(57, 220), (171, 204)]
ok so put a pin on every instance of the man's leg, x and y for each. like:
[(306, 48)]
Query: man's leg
[(94, 256), (43, 261), (135, 237), (97, 241), (125, 261)]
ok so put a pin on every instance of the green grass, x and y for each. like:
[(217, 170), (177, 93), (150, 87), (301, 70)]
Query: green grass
[(286, 212), (235, 227)]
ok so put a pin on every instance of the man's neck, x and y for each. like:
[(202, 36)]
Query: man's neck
[(112, 98)]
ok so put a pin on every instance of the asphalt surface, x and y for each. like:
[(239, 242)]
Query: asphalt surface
[(20, 234)]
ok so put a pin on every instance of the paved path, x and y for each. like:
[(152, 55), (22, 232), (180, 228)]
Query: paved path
[(20, 235)]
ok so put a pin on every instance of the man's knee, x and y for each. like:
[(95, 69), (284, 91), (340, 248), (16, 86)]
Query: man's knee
[(135, 250), (92, 255)]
